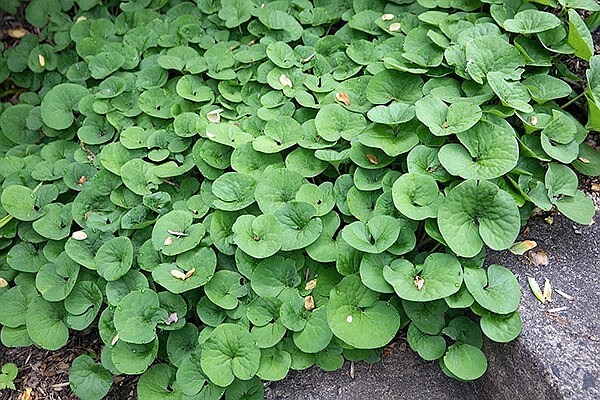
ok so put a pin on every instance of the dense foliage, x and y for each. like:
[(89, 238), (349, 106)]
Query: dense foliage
[(230, 189)]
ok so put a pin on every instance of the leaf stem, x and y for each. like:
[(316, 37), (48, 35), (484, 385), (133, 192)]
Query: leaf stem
[(573, 100)]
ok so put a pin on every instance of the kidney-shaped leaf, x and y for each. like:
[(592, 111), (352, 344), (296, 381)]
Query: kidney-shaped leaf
[(497, 290), (230, 352), (477, 212), (356, 317), (438, 277)]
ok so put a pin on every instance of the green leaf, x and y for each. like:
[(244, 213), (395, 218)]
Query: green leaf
[(333, 122), (531, 21), (501, 328), (175, 233), (20, 202), (483, 156), (229, 352), (497, 290), (136, 316), (443, 120), (478, 212), (225, 288), (465, 361), (580, 37), (45, 324), (374, 236), (356, 317), (429, 347), (382, 88), (59, 103), (438, 277), (88, 380), (114, 258), (417, 196), (259, 237)]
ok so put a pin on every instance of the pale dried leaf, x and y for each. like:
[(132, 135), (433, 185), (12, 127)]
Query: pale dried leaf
[(177, 233), (342, 97), (79, 235), (538, 257), (172, 318), (309, 303), (349, 319), (565, 295), (17, 33), (372, 159), (190, 273), (3, 283), (521, 248), (114, 340), (310, 285), (285, 80), (419, 282), (387, 17), (535, 288), (547, 290), (214, 116), (558, 309), (41, 60), (168, 241), (394, 27), (178, 274)]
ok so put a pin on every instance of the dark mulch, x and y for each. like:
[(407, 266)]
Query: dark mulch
[(46, 372)]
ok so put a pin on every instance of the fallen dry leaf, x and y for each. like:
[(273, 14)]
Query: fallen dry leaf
[(79, 235), (26, 395), (214, 116), (533, 120), (372, 159), (176, 233), (41, 60), (17, 33), (538, 257), (168, 241), (342, 97), (190, 273), (394, 27), (114, 340), (3, 283), (547, 290), (309, 303), (558, 309), (563, 294), (173, 317), (310, 285), (596, 187), (419, 282), (82, 180), (535, 288), (349, 319), (549, 220), (387, 17), (584, 160), (178, 274), (521, 248), (285, 80)]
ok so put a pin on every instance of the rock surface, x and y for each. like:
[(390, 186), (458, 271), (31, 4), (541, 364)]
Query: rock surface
[(557, 355)]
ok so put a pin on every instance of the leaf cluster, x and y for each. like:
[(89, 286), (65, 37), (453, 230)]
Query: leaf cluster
[(239, 188)]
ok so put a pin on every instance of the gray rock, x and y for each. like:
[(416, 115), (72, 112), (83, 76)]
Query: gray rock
[(557, 355)]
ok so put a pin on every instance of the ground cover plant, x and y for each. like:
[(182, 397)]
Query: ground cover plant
[(231, 189)]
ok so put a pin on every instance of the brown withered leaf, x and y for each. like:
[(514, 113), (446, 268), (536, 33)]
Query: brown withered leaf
[(309, 303), (342, 97), (538, 257), (17, 33), (372, 159)]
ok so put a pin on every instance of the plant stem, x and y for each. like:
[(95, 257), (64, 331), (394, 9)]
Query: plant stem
[(573, 100)]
